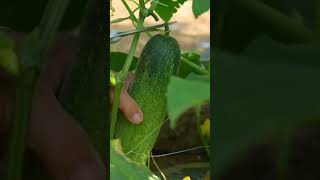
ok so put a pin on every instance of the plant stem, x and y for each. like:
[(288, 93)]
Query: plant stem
[(199, 70), (132, 16), (142, 5), (119, 20), (24, 94), (51, 21), (278, 20), (122, 78), (125, 69)]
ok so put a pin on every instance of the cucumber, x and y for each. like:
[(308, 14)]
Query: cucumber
[(159, 60)]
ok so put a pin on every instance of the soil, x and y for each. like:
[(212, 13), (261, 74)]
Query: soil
[(184, 136)]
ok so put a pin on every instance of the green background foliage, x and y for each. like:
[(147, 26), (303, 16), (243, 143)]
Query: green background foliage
[(266, 68)]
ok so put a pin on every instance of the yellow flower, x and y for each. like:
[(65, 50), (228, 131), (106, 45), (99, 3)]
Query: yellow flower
[(186, 178), (112, 78), (205, 128)]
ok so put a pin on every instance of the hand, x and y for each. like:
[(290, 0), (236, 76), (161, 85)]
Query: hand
[(127, 104), (60, 142)]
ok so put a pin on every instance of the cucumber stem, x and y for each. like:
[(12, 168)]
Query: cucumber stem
[(167, 30), (24, 94), (155, 17), (199, 70), (123, 76)]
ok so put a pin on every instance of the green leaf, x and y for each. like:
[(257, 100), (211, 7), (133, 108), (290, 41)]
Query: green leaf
[(166, 8), (9, 61), (117, 60), (200, 6), (184, 94), (261, 95), (6, 42), (121, 168)]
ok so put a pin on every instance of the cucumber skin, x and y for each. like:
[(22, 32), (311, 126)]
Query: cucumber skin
[(159, 60)]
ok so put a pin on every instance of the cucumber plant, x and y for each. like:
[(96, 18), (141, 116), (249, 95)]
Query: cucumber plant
[(160, 60)]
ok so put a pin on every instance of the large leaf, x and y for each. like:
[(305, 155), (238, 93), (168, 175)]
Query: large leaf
[(117, 60), (184, 94), (121, 168), (257, 97), (166, 8), (200, 6)]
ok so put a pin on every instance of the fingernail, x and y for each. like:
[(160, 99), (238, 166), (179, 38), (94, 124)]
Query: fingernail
[(137, 118)]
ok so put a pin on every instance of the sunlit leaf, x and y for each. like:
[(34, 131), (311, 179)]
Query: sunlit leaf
[(184, 94), (166, 8), (121, 168), (200, 6)]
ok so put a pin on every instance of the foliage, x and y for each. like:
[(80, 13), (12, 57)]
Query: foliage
[(121, 62), (8, 58), (117, 60), (184, 94), (122, 168), (166, 8), (266, 74), (200, 6)]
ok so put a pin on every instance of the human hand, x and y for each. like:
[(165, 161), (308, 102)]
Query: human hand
[(127, 104)]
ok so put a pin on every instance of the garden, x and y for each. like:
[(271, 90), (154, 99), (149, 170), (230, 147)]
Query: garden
[(171, 85)]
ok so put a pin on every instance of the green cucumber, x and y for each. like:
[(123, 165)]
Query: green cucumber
[(159, 60)]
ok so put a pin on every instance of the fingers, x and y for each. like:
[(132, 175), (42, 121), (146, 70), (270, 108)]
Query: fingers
[(127, 104), (130, 108)]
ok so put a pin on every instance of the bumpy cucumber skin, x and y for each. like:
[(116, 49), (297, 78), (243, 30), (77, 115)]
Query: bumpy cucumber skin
[(159, 60)]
